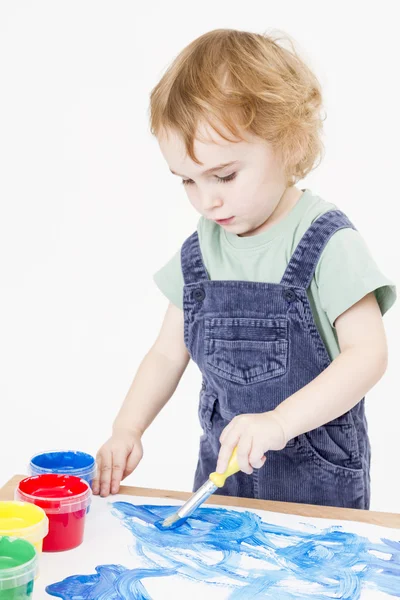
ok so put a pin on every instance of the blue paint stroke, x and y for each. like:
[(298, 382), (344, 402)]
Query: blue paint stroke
[(241, 553)]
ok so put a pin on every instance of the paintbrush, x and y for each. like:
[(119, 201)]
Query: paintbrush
[(215, 481)]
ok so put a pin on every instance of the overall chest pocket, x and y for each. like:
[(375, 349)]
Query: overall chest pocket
[(244, 350)]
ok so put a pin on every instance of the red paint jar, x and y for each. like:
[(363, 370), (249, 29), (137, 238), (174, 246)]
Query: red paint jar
[(65, 500)]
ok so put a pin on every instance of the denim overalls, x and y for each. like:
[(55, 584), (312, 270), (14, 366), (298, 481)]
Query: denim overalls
[(256, 344)]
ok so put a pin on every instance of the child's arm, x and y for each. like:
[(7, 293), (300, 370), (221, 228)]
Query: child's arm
[(359, 366), (156, 380)]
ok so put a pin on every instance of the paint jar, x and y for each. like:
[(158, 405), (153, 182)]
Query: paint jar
[(65, 500), (24, 520), (18, 568), (64, 462)]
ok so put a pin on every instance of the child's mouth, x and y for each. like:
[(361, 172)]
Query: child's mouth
[(224, 221)]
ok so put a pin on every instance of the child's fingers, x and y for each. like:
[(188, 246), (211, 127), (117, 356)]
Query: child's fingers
[(225, 452), (96, 480), (243, 452), (133, 459), (105, 473), (226, 432), (256, 457), (118, 467)]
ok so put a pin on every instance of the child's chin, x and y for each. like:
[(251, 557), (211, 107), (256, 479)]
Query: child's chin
[(241, 229)]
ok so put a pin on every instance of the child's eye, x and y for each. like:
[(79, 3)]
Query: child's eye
[(230, 177)]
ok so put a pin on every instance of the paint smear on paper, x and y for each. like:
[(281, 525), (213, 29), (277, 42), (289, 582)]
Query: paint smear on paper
[(244, 555)]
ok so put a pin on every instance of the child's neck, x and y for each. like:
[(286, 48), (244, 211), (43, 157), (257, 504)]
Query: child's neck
[(288, 200)]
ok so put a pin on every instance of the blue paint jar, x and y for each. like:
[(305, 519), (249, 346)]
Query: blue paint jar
[(64, 462)]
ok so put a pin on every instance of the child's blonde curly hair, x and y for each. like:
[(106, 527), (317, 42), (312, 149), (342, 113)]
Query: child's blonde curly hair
[(244, 81)]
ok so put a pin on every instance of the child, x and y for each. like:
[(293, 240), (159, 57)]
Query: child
[(275, 297)]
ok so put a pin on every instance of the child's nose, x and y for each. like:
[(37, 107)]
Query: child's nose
[(210, 201)]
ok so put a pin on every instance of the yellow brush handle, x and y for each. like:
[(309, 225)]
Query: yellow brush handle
[(218, 479)]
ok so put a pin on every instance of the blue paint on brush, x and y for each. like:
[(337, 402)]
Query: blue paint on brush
[(160, 524), (244, 555)]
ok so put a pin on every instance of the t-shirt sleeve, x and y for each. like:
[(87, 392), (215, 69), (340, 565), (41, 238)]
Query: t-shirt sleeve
[(346, 272), (169, 279)]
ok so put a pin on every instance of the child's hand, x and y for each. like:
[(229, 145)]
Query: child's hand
[(116, 459), (253, 434)]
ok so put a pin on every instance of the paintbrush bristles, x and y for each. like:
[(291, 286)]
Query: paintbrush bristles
[(170, 520)]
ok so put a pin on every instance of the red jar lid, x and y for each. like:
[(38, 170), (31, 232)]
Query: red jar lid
[(55, 493)]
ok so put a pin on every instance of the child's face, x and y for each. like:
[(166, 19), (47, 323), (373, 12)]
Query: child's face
[(253, 186)]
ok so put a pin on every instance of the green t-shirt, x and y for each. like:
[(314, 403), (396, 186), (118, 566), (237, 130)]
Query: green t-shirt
[(345, 273)]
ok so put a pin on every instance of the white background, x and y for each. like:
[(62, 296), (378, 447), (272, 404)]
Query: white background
[(89, 210)]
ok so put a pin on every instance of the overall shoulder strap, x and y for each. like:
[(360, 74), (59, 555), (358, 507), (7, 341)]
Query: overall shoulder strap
[(193, 268), (304, 260)]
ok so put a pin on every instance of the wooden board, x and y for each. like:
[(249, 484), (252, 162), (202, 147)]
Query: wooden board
[(304, 510)]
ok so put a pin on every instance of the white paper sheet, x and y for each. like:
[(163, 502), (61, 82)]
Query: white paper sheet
[(304, 558)]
